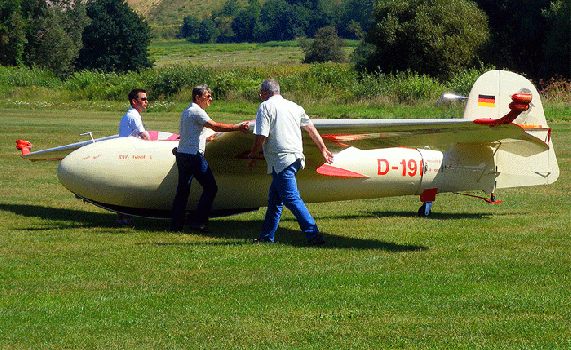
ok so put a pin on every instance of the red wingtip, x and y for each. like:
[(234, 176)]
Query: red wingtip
[(23, 146)]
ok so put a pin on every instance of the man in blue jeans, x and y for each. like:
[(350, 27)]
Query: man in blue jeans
[(278, 133), (191, 163)]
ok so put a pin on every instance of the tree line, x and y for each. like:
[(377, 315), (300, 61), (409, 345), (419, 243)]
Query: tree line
[(431, 37), (278, 20), (69, 35)]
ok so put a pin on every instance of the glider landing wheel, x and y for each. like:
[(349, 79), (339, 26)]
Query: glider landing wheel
[(425, 209)]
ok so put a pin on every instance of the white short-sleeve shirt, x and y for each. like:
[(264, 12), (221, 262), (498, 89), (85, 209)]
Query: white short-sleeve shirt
[(280, 121), (131, 124), (192, 136)]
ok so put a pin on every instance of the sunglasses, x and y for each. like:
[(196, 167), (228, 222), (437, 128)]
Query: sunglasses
[(142, 99)]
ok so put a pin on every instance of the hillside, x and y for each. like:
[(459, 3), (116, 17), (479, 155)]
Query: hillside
[(171, 12), (166, 16)]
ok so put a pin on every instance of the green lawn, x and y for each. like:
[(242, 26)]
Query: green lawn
[(473, 276), (182, 52)]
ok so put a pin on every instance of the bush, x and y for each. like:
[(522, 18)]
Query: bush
[(315, 84), (326, 47), (409, 87), (329, 81), (28, 77), (556, 90), (98, 86), (431, 37), (237, 84), (169, 81), (461, 82)]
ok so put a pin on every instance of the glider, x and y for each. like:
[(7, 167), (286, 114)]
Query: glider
[(502, 141)]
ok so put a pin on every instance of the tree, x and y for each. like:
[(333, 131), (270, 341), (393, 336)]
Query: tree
[(12, 34), (281, 21), (117, 39), (246, 22), (207, 31), (190, 27), (430, 37), (518, 30), (41, 33), (356, 18), (54, 36), (325, 47), (557, 46)]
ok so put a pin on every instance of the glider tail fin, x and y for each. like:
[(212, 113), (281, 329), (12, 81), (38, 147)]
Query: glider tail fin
[(492, 94), (492, 98)]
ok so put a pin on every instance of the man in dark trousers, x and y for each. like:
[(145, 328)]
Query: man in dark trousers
[(191, 163)]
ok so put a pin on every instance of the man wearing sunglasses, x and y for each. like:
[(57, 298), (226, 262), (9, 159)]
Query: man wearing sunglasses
[(190, 160), (131, 124)]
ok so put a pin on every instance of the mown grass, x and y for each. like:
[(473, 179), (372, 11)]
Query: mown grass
[(474, 275)]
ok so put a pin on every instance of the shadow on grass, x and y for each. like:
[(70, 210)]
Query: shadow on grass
[(72, 218), (433, 215), (243, 231)]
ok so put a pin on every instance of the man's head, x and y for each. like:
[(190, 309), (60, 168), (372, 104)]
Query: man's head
[(202, 95), (138, 99), (269, 88)]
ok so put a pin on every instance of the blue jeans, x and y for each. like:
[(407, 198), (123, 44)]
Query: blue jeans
[(283, 191), (189, 166)]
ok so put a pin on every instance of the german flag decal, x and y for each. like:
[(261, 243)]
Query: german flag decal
[(486, 101)]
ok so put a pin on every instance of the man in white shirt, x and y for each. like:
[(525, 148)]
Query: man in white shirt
[(131, 124), (191, 163), (278, 133)]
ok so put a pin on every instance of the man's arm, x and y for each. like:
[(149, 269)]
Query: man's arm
[(256, 148), (145, 136), (219, 127), (314, 134)]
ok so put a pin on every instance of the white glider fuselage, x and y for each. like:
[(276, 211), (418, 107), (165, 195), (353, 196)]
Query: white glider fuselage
[(132, 173), (373, 158)]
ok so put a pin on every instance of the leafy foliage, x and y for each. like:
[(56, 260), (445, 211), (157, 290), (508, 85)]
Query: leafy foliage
[(326, 47), (430, 37), (65, 35), (12, 35), (40, 33), (116, 40), (279, 20), (517, 32), (55, 38), (557, 46)]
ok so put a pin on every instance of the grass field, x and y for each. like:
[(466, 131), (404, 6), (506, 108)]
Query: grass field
[(183, 52), (473, 276)]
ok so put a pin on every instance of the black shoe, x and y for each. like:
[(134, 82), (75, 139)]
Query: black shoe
[(315, 241), (200, 228), (260, 240)]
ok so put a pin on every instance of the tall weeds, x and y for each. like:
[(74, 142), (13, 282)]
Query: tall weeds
[(324, 83)]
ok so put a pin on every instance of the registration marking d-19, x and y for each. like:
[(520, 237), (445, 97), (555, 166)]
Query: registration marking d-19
[(410, 167)]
